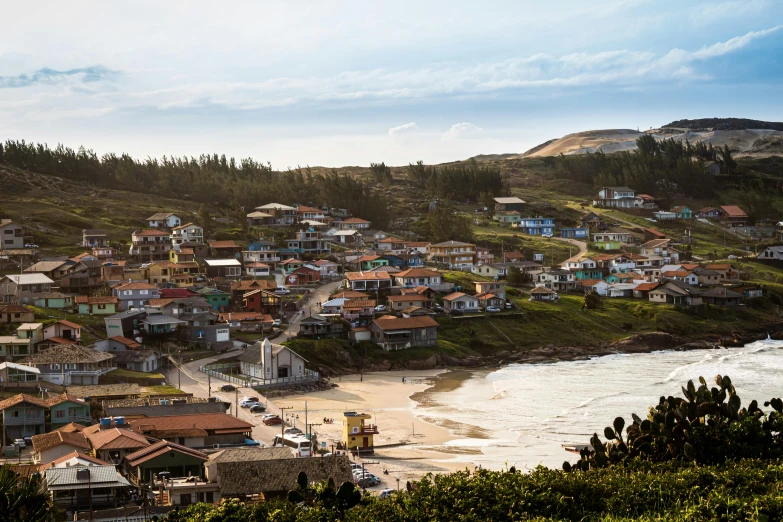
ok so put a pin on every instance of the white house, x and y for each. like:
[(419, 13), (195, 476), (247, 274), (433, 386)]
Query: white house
[(459, 302), (257, 269), (266, 361), (660, 247), (615, 197), (557, 280), (187, 233), (772, 253), (165, 220)]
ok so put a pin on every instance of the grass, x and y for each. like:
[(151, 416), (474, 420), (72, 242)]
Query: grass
[(165, 389), (122, 372)]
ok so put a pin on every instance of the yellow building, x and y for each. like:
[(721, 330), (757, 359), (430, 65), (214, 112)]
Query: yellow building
[(357, 434)]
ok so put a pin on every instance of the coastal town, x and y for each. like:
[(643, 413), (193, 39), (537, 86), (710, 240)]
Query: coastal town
[(96, 345)]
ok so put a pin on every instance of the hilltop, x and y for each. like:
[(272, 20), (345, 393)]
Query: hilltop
[(745, 137)]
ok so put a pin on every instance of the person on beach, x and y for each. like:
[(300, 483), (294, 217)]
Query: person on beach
[(361, 378)]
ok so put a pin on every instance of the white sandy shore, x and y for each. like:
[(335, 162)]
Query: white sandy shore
[(384, 396)]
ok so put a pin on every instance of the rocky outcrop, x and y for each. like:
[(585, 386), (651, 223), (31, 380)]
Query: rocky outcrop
[(647, 342)]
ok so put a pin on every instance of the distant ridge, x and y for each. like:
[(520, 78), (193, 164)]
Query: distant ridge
[(713, 124)]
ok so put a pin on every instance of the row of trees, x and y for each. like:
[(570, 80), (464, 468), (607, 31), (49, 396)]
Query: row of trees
[(461, 182), (212, 179)]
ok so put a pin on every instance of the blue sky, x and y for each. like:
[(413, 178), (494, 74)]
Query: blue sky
[(348, 83)]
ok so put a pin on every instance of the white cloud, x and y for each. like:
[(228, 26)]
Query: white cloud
[(403, 129), (464, 130)]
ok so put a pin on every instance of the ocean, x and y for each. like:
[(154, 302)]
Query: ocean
[(521, 415)]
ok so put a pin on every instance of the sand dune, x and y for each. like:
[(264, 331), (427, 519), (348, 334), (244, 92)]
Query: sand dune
[(755, 142)]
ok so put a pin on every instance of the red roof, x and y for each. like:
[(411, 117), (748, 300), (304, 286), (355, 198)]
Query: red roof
[(130, 343), (417, 272), (354, 220), (69, 323), (94, 299), (655, 232), (169, 293), (734, 211), (224, 244), (646, 287)]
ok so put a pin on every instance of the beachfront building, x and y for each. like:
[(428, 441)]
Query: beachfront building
[(358, 435)]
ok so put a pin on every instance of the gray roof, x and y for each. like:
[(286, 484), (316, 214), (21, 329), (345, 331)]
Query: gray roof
[(161, 319), (719, 291), (452, 244), (505, 201), (253, 353), (126, 313), (93, 232), (66, 353), (58, 479), (157, 410), (269, 476), (45, 266)]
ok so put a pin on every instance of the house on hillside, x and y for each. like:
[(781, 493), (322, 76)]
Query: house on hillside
[(508, 217), (507, 204), (394, 333), (164, 220), (677, 293), (24, 288), (590, 220), (56, 300), (92, 238), (615, 197), (575, 232), (11, 235), (266, 361), (612, 239), (459, 302), (537, 226), (225, 249), (454, 254), (96, 305), (682, 212), (187, 233), (368, 281), (353, 223), (727, 273), (283, 214), (67, 364), (645, 201), (733, 216), (709, 213), (150, 244), (23, 416), (64, 332), (16, 314), (135, 294), (558, 280), (24, 343), (258, 218), (226, 268)]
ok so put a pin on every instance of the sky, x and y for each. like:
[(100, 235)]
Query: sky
[(338, 83)]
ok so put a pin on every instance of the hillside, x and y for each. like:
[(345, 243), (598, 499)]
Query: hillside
[(744, 137)]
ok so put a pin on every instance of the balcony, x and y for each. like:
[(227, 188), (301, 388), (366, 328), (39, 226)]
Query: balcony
[(368, 429)]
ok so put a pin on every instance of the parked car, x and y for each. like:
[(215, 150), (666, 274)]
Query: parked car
[(30, 245), (437, 308), (292, 430), (276, 323), (380, 308), (385, 493), (493, 309), (249, 398), (546, 235), (257, 408), (509, 305), (28, 441), (282, 290), (274, 419), (247, 404), (228, 387), (355, 466), (20, 442)]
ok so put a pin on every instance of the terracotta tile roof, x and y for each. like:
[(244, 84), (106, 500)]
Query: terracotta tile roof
[(733, 211), (655, 232), (20, 398), (74, 454), (245, 316), (588, 282), (718, 266), (368, 276), (15, 309), (130, 343), (358, 304), (407, 297), (160, 216), (161, 448), (92, 299), (417, 272), (248, 284), (655, 243), (57, 340), (676, 273), (161, 302), (115, 438), (229, 243), (147, 233), (401, 323), (137, 285), (72, 427), (354, 220), (455, 295), (256, 265), (542, 290), (417, 244), (349, 294), (646, 287), (186, 225), (55, 438), (366, 258), (204, 421)]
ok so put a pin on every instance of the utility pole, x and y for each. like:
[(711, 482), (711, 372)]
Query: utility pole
[(209, 384), (236, 401), (282, 418), (306, 426)]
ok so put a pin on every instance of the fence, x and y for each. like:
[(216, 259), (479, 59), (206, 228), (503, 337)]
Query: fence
[(254, 382)]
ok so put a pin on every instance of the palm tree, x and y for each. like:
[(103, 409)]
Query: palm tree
[(23, 499)]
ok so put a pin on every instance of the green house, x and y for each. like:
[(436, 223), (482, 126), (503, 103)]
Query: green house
[(96, 305), (54, 300), (178, 460), (215, 297), (65, 409), (368, 263), (23, 416), (682, 212)]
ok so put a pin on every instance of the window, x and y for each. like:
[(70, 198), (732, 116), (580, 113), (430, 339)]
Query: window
[(70, 366), (54, 366), (144, 292), (101, 307), (59, 414), (127, 292), (9, 241)]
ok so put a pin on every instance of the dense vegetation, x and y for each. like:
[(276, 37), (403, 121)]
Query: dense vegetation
[(23, 500), (460, 182), (724, 124), (213, 179)]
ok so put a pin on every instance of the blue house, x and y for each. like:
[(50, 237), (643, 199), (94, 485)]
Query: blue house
[(576, 233), (394, 261), (256, 246), (682, 212), (537, 226), (415, 261), (588, 273)]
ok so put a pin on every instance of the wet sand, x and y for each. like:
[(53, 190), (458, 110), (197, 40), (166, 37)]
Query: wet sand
[(407, 446)]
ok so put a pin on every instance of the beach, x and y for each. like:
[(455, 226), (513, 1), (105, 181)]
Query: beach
[(407, 446)]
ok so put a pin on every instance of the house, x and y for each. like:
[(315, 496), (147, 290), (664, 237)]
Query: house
[(92, 238), (460, 303), (353, 223), (414, 277), (392, 244), (575, 232), (104, 253), (11, 235), (150, 244), (557, 280), (542, 293), (112, 440), (126, 324), (227, 268), (291, 264), (113, 272), (682, 212), (24, 343), (585, 286), (620, 289), (327, 268), (620, 277), (260, 219), (484, 256), (392, 333), (66, 409), (51, 269), (310, 241), (651, 233), (261, 301), (721, 296), (57, 300), (74, 458), (247, 474), (195, 431), (179, 461), (706, 277), (24, 288), (369, 262), (86, 488), (319, 327), (163, 220), (397, 303), (217, 299), (305, 275), (187, 233), (537, 226), (353, 237), (23, 416), (660, 251), (63, 331), (267, 257), (494, 287), (136, 360), (51, 447), (283, 214), (642, 290), (612, 239), (727, 273), (117, 343), (505, 204), (163, 272), (333, 306), (511, 217), (355, 309), (16, 314), (135, 294), (160, 325), (645, 201), (733, 216), (675, 292), (246, 321), (180, 254), (368, 280), (664, 216), (749, 291), (84, 277), (771, 253), (590, 220), (709, 213), (615, 197), (225, 248), (681, 275), (67, 364), (12, 372), (486, 299), (96, 305), (267, 361), (454, 254), (304, 212)]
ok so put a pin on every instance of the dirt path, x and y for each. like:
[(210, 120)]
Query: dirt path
[(582, 245)]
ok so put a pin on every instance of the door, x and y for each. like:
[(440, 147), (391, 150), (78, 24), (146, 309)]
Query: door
[(365, 442)]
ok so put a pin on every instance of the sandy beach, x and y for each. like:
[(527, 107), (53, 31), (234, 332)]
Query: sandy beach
[(406, 446)]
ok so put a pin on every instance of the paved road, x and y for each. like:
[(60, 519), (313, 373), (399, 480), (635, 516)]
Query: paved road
[(319, 295), (580, 244)]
